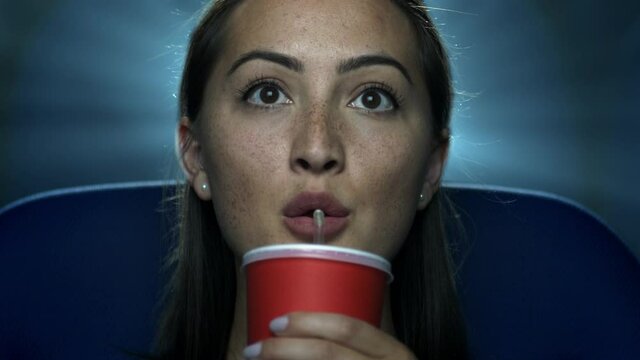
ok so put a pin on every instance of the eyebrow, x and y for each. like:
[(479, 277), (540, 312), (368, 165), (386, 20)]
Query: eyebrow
[(296, 65), (280, 59), (358, 62)]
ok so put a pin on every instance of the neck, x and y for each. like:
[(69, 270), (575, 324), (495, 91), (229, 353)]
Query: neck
[(238, 338)]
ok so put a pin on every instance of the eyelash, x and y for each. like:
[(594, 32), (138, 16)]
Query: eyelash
[(261, 80), (396, 99), (243, 93)]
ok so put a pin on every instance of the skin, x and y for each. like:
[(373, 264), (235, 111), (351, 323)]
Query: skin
[(319, 136)]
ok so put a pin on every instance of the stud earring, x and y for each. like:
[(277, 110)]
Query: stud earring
[(205, 187), (421, 197)]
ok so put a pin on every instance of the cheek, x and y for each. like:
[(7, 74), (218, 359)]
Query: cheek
[(391, 174), (394, 165), (237, 159)]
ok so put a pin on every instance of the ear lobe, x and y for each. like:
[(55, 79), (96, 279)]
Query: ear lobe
[(435, 167)]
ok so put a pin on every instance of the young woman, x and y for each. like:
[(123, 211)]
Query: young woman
[(342, 100)]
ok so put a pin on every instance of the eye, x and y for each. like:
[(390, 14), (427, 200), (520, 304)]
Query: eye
[(266, 94), (374, 99)]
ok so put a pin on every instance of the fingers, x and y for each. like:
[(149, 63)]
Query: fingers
[(319, 335), (299, 349), (352, 333)]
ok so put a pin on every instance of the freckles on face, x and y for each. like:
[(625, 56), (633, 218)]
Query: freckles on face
[(390, 171), (301, 121), (237, 157)]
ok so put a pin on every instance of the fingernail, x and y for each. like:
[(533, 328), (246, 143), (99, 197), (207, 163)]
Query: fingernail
[(252, 351), (279, 324)]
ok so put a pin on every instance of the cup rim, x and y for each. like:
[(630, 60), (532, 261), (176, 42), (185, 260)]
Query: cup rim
[(318, 251)]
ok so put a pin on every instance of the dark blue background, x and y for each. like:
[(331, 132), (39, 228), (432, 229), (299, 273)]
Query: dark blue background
[(548, 96)]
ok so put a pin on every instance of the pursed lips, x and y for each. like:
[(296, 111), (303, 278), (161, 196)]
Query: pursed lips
[(298, 214)]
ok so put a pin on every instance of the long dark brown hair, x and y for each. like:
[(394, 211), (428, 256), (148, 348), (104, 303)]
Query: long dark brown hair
[(200, 297)]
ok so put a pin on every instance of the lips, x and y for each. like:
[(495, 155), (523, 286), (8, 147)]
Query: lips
[(298, 214)]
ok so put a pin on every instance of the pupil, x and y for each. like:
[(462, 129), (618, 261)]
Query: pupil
[(269, 94), (371, 99)]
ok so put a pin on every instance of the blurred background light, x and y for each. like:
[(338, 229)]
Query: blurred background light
[(547, 96)]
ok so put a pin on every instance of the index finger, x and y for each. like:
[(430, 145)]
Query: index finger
[(347, 331)]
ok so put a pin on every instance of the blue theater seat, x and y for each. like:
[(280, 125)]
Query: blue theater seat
[(539, 277)]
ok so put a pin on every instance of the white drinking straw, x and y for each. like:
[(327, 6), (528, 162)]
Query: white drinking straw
[(318, 219)]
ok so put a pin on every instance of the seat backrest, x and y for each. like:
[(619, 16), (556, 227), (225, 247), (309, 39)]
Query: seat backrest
[(80, 272), (543, 278), (540, 277)]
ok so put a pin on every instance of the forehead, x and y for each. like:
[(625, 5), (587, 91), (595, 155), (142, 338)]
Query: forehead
[(323, 31)]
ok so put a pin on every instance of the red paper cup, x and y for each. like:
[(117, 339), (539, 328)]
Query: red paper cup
[(309, 277)]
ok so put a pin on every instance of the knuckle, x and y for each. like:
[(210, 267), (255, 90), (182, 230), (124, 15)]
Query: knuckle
[(269, 349), (347, 330), (297, 320), (327, 351)]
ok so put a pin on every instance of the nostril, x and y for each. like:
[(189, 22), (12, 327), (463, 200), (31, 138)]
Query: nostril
[(319, 166), (330, 164), (304, 164)]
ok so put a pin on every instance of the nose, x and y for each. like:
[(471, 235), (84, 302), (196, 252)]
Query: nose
[(317, 146)]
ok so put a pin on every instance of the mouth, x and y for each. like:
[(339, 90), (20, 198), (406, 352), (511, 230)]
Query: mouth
[(298, 215)]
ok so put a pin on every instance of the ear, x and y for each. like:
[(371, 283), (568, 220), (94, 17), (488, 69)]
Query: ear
[(190, 157), (435, 167)]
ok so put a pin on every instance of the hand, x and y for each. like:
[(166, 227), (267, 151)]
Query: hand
[(305, 335)]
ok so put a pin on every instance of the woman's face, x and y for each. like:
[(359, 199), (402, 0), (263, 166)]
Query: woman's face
[(315, 104)]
